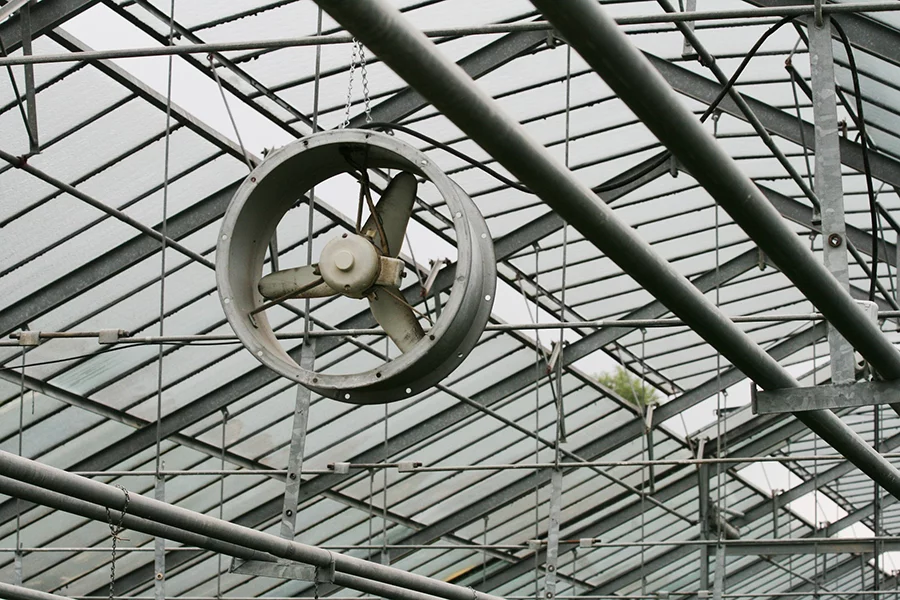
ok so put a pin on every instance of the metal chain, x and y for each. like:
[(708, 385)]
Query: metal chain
[(365, 83), (354, 58), (115, 530), (357, 59), (316, 583)]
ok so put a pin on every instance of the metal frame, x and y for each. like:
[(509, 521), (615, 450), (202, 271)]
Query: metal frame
[(494, 56)]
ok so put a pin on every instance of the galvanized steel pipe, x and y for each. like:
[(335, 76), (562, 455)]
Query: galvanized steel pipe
[(382, 28), (627, 71), (200, 530), (17, 592)]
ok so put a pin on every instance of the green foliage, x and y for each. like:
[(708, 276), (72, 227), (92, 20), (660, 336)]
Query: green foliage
[(629, 387)]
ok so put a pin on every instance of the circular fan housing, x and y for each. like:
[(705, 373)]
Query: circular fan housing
[(274, 187)]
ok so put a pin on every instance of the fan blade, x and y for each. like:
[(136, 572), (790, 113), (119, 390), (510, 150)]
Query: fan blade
[(283, 283), (393, 209), (396, 317)]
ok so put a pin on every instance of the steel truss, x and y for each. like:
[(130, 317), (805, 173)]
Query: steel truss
[(400, 106)]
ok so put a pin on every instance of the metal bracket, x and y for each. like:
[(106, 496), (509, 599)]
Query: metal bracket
[(863, 393), (552, 553), (109, 336), (284, 570), (30, 338), (436, 266), (298, 445), (688, 51), (340, 468), (408, 466)]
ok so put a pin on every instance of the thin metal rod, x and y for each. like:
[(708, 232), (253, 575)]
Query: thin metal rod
[(340, 38), (611, 463), (595, 324), (764, 542), (351, 572), (417, 467)]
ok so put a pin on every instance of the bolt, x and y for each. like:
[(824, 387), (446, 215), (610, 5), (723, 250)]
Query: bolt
[(253, 179), (159, 576), (343, 260), (293, 476), (835, 240), (289, 512), (551, 568)]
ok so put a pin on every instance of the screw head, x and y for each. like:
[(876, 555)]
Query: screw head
[(159, 576), (293, 476), (835, 240), (289, 512)]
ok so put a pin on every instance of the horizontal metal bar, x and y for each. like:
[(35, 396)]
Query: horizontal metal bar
[(418, 467), (596, 324), (738, 546), (487, 29), (164, 473)]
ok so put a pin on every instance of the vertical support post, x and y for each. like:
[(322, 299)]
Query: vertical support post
[(703, 514), (298, 445), (159, 547), (648, 431), (876, 513), (553, 534), (17, 567), (30, 100), (688, 50), (828, 184), (719, 581), (775, 494)]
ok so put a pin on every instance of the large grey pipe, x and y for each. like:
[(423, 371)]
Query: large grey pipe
[(605, 47), (413, 57), (17, 592), (54, 487)]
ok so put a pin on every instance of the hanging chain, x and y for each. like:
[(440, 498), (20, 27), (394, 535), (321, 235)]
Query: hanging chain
[(115, 530), (357, 59), (316, 583), (365, 82)]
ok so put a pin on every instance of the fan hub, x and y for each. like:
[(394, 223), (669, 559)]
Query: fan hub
[(350, 264), (343, 260)]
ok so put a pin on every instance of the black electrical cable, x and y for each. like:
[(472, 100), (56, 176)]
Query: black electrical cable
[(864, 140), (601, 188)]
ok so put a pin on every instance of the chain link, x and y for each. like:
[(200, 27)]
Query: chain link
[(357, 59), (115, 530), (365, 82)]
